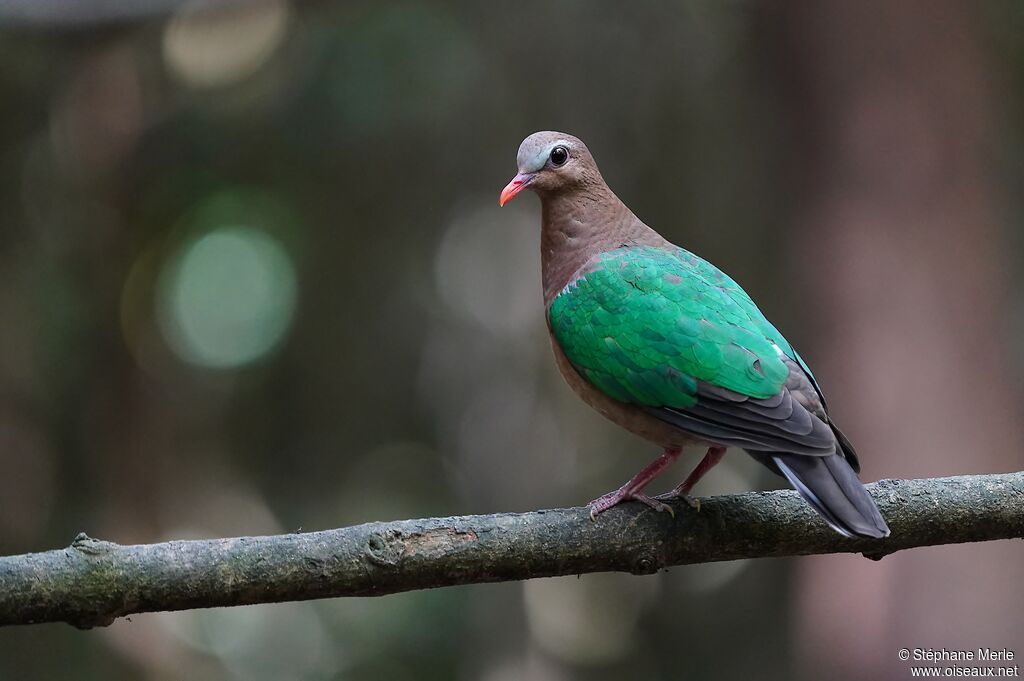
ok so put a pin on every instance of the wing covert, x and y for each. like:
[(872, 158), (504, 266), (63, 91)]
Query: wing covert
[(669, 332)]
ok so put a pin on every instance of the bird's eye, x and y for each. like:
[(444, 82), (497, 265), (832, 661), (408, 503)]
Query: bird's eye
[(559, 155)]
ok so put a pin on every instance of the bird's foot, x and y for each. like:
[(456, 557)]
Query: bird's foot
[(633, 490), (624, 493), (692, 502), (682, 491)]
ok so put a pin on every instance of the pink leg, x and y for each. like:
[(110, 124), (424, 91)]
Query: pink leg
[(709, 461), (633, 490)]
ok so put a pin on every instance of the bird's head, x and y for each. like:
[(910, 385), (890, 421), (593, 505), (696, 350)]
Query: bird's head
[(551, 163)]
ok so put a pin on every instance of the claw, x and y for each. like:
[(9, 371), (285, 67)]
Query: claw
[(659, 506), (692, 502), (602, 504)]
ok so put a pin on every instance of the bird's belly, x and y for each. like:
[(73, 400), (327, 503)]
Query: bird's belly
[(628, 416)]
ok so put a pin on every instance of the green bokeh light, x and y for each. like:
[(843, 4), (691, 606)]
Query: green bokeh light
[(228, 298)]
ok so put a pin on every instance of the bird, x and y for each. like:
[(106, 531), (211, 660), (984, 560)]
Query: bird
[(669, 347)]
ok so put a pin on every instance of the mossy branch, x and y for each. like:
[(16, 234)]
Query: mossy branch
[(93, 582)]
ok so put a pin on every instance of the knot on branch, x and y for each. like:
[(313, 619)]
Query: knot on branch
[(85, 544), (647, 563), (385, 548)]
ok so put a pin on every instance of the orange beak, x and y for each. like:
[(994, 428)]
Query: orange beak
[(517, 185)]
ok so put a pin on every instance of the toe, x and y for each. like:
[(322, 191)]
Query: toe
[(655, 504)]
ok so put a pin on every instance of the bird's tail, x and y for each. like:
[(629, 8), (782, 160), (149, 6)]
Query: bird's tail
[(832, 488)]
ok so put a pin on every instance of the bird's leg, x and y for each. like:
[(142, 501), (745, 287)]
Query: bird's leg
[(633, 490), (709, 461)]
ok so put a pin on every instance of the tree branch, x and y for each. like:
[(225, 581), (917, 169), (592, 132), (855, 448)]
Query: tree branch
[(93, 582)]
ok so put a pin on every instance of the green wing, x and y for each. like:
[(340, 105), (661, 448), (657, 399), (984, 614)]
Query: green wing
[(669, 332), (645, 324)]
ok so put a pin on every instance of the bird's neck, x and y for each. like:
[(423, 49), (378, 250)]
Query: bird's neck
[(579, 225)]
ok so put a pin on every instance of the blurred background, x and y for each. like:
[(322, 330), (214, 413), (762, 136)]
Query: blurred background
[(254, 278)]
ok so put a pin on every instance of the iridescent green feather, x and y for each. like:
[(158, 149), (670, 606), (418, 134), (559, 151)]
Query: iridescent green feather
[(644, 324)]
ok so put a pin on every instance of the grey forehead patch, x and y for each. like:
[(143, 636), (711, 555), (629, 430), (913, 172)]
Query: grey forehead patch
[(534, 152)]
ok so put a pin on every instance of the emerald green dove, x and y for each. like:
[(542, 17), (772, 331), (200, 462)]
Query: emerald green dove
[(669, 347)]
